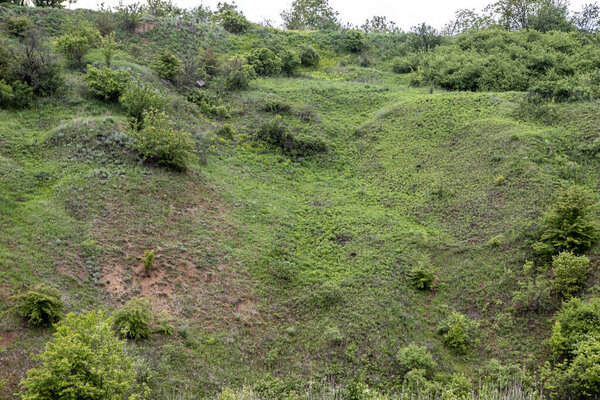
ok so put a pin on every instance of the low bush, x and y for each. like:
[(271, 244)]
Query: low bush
[(140, 97), (17, 26), (353, 41), (570, 273), (264, 61), (405, 65), (167, 65), (421, 277), (290, 62), (570, 223), (79, 38), (309, 56), (459, 332), (208, 102), (576, 321), (276, 133), (41, 305), (159, 141), (83, 360), (275, 105), (239, 74), (415, 357), (132, 321), (106, 83), (148, 261)]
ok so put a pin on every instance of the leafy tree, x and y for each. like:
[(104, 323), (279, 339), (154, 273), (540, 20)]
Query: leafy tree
[(41, 305), (108, 46), (231, 19), (576, 321), (424, 37), (467, 20), (570, 272), (380, 24), (84, 360), (310, 15), (49, 3), (551, 15), (588, 19), (570, 223), (79, 38), (514, 14), (167, 65)]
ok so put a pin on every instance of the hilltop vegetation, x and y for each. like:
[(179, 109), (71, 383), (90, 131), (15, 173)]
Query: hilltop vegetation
[(196, 206)]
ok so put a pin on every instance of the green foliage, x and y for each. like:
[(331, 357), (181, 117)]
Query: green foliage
[(148, 261), (421, 277), (353, 41), (132, 321), (6, 94), (108, 46), (357, 389), (130, 15), (405, 65), (276, 133), (415, 357), (534, 295), (570, 272), (424, 37), (264, 62), (290, 62), (210, 62), (570, 223), (459, 332), (275, 105), (231, 19), (41, 305), (167, 65), (79, 38), (239, 74), (159, 141), (141, 97), (106, 83), (309, 56), (208, 102), (310, 15), (82, 361), (576, 321), (48, 3), (17, 26)]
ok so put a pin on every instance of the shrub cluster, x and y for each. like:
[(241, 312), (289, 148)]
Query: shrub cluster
[(353, 41), (41, 305), (276, 133), (167, 65), (458, 332), (140, 97), (264, 62), (309, 56), (132, 321), (239, 74), (106, 83)]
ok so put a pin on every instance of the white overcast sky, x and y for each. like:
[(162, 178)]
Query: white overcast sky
[(405, 13)]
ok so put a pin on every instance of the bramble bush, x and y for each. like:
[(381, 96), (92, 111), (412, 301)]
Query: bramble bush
[(84, 360), (264, 62), (570, 273), (158, 140), (458, 332), (132, 321), (106, 83), (41, 305)]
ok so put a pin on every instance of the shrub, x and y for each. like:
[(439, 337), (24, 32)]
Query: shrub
[(159, 141), (231, 20), (108, 46), (290, 62), (353, 41), (210, 62), (82, 361), (17, 26), (139, 97), (275, 133), (226, 132), (534, 295), (167, 65), (275, 105), (413, 357), (405, 65), (576, 321), (458, 332), (41, 306), (309, 56), (148, 261), (106, 83), (239, 75), (569, 224), (79, 38), (132, 321), (130, 15), (264, 61), (570, 272), (421, 277), (6, 94), (209, 102)]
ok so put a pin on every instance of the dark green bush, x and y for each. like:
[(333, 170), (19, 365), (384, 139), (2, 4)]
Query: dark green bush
[(239, 74), (309, 56), (84, 360), (353, 41), (231, 20), (79, 38), (405, 65), (276, 133), (459, 332), (167, 65), (208, 102), (290, 62), (276, 105), (570, 272), (17, 26), (210, 62), (264, 61), (132, 321), (570, 223), (157, 140), (139, 97), (106, 83), (576, 321), (421, 277), (41, 305)]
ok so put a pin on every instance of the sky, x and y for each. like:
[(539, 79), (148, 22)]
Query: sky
[(405, 13)]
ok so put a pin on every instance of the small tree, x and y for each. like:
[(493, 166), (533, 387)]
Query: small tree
[(106, 83), (148, 261), (41, 305), (231, 19), (264, 61), (84, 360), (108, 46), (458, 332), (570, 272), (79, 38), (310, 15), (132, 321), (139, 97), (167, 65), (239, 74)]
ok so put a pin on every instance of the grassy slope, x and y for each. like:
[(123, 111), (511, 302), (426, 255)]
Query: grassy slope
[(293, 268)]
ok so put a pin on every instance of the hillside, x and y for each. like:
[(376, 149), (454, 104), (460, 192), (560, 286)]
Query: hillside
[(326, 221)]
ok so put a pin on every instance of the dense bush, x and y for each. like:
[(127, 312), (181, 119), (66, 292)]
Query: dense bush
[(107, 83), (83, 360), (576, 321), (290, 62), (275, 105), (210, 62), (421, 277), (132, 321), (231, 20), (276, 133), (405, 65), (415, 357), (208, 102), (570, 272), (139, 97), (570, 223), (17, 26), (41, 306), (79, 38), (239, 74), (353, 41), (458, 332), (264, 61), (309, 56), (108, 46), (167, 65), (159, 141)]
